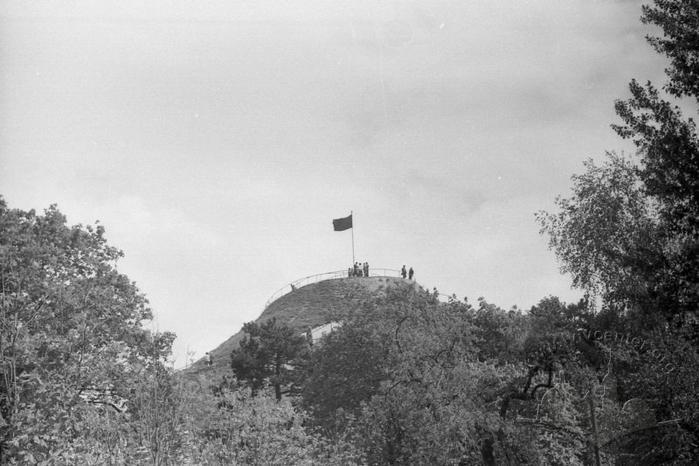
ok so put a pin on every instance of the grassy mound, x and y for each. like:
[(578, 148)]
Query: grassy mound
[(309, 306)]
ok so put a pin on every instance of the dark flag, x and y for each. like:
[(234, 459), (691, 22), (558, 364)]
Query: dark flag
[(342, 224)]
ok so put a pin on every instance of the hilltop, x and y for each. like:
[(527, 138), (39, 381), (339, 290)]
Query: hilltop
[(306, 307)]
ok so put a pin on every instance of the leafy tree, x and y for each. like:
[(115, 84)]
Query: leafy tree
[(225, 424), (268, 353), (641, 218), (500, 334), (72, 343), (668, 144), (630, 234), (424, 383), (346, 369), (608, 239), (669, 173), (679, 22)]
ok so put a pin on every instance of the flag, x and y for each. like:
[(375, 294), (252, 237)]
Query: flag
[(342, 224)]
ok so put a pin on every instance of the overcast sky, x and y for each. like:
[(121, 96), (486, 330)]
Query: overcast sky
[(217, 140)]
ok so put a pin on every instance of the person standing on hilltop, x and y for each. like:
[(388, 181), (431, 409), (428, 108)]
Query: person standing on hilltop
[(209, 359), (410, 273), (366, 269), (402, 272)]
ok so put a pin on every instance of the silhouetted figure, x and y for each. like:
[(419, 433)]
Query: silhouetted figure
[(366, 269), (209, 359), (410, 273), (402, 272), (349, 272), (356, 269)]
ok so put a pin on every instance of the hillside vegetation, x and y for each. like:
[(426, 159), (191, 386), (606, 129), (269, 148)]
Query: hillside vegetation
[(405, 379), (307, 307)]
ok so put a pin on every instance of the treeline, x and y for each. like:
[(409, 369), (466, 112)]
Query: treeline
[(613, 379), (405, 379), (83, 381), (409, 380)]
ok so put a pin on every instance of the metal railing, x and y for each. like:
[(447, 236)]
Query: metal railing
[(286, 289)]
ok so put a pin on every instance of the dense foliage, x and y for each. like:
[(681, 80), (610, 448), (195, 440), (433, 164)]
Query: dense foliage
[(84, 382), (629, 236), (405, 379), (72, 344), (269, 352)]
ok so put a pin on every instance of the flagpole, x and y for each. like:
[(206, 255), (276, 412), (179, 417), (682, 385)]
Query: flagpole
[(352, 216)]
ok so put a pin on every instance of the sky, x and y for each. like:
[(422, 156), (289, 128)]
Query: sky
[(217, 140)]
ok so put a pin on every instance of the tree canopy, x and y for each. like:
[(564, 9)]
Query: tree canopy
[(629, 236), (405, 379), (71, 332), (268, 353)]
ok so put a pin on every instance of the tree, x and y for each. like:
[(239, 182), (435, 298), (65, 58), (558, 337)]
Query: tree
[(679, 21), (609, 239), (630, 234), (413, 381), (641, 217), (500, 333), (269, 352), (72, 341), (668, 144), (345, 370), (225, 424)]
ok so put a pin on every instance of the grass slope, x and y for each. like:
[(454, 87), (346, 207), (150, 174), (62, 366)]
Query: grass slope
[(309, 306)]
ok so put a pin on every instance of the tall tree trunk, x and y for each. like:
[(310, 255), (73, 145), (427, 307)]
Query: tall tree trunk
[(593, 422), (487, 454), (277, 379)]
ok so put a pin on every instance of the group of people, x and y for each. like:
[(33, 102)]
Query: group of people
[(362, 270), (358, 270)]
